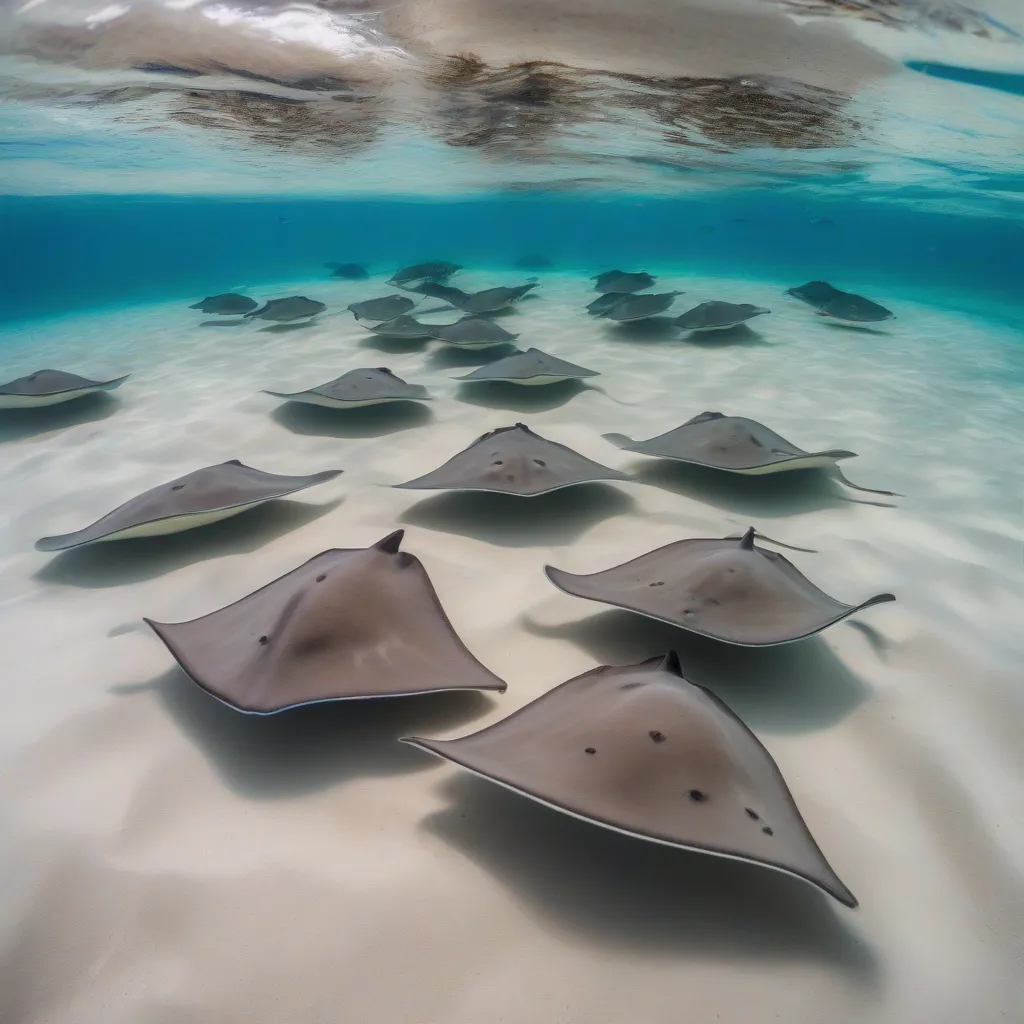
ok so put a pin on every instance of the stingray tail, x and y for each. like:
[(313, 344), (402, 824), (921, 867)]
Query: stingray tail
[(868, 490), (771, 540)]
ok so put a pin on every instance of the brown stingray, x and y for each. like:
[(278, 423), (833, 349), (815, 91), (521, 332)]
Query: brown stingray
[(51, 387), (513, 460), (642, 751), (358, 388), (531, 367), (204, 496), (726, 589), (736, 444), (349, 623)]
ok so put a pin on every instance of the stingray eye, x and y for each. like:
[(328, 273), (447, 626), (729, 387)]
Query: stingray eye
[(177, 487), (752, 814), (767, 831), (497, 462), (541, 463), (697, 796)]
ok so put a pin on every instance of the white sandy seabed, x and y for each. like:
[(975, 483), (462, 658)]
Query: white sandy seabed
[(168, 860)]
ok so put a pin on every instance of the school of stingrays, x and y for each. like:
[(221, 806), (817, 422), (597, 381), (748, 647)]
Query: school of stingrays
[(638, 749)]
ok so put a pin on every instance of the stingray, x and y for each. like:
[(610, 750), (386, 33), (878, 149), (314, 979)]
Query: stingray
[(438, 270), (736, 444), (639, 307), (814, 293), (387, 308), (829, 301), (473, 332), (717, 316), (287, 310), (641, 750), (531, 367), (51, 387), (444, 292), (401, 327), (226, 304), (358, 388), (203, 496), (604, 302), (513, 460), (348, 271), (727, 589), (491, 300), (350, 623), (619, 281)]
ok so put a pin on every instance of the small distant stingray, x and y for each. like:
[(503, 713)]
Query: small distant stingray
[(349, 271), (51, 387), (535, 261), (437, 270), (357, 389), (531, 368), (718, 316), (513, 460), (287, 310), (226, 304), (204, 496), (641, 750), (620, 281), (639, 307), (829, 301), (605, 302), (735, 444), (822, 220), (490, 300), (386, 308), (350, 623), (473, 332), (725, 589), (401, 327)]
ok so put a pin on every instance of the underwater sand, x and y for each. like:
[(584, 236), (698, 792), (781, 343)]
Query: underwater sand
[(166, 859)]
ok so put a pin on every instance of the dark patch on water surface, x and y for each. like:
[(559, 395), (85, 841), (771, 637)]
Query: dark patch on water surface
[(1001, 81)]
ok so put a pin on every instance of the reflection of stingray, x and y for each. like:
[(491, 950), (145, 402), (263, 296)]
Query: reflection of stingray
[(725, 589), (347, 624), (501, 395), (111, 565), (644, 898), (370, 421), (17, 424), (641, 750), (552, 519), (791, 688)]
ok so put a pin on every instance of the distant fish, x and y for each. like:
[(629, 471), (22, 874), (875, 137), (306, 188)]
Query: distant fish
[(226, 304), (348, 271)]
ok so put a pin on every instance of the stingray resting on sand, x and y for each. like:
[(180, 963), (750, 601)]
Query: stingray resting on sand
[(350, 623), (226, 304), (490, 300), (387, 308), (735, 444), (473, 332), (51, 387), (828, 301), (513, 460), (401, 327), (203, 496), (619, 281), (358, 389), (639, 307), (529, 368), (288, 310), (641, 750), (718, 316), (726, 589)]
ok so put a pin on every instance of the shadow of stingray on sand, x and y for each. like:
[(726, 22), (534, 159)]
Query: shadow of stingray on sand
[(391, 345), (19, 424), (510, 521), (654, 329), (370, 421), (286, 328), (309, 748), (119, 562), (451, 357), (222, 323), (772, 495), (838, 325), (741, 334), (501, 395), (628, 894), (791, 688)]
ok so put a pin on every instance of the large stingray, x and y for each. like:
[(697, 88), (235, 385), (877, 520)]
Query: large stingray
[(386, 308), (226, 304), (490, 300), (349, 623), (401, 327), (639, 307), (604, 302), (726, 589), (358, 388), (620, 281), (203, 496), (437, 270), (473, 332), (717, 316), (829, 301), (531, 368), (51, 387), (513, 460), (641, 750), (736, 444), (288, 310)]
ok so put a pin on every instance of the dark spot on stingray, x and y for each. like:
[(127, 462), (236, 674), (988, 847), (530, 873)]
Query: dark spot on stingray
[(631, 686), (752, 814), (264, 639), (697, 796), (767, 831), (660, 583), (540, 462), (590, 750), (177, 487), (497, 462), (320, 579), (658, 737)]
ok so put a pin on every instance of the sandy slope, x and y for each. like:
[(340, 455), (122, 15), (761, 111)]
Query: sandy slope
[(167, 860)]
